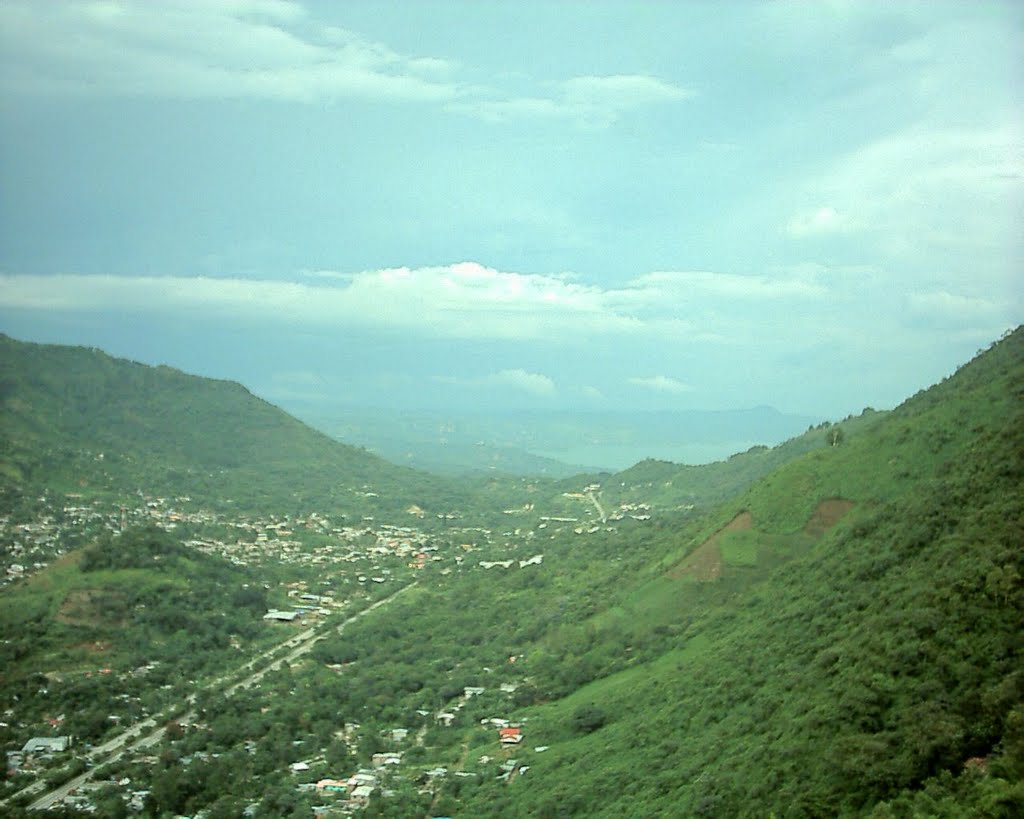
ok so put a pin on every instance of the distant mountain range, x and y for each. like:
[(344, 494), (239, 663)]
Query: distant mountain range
[(552, 443), (76, 420)]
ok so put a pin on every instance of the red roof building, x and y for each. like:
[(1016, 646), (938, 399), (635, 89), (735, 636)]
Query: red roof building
[(510, 736)]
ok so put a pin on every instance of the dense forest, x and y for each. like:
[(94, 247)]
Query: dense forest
[(828, 627)]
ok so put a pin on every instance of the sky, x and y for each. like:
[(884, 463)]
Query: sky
[(513, 205)]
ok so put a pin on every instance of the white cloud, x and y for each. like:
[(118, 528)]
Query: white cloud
[(769, 315), (267, 49), (817, 222), (933, 193), (933, 180), (462, 300), (621, 91), (924, 109), (221, 49), (719, 328), (942, 307), (936, 196), (593, 101), (533, 383), (661, 383), (703, 285), (516, 379)]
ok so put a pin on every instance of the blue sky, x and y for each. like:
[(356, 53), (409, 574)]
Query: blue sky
[(814, 206)]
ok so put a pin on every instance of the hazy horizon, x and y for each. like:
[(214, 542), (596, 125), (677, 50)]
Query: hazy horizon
[(616, 206)]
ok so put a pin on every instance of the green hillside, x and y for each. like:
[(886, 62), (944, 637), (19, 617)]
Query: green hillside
[(669, 484), (77, 420), (839, 635), (843, 639), (132, 616), (877, 671)]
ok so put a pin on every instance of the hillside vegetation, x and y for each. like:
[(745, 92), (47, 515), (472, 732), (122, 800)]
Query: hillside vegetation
[(839, 635), (850, 647), (877, 671), (137, 601), (669, 484), (74, 419)]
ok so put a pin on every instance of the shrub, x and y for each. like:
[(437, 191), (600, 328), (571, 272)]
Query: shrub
[(588, 718)]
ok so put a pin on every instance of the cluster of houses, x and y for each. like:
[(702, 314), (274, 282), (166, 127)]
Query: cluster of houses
[(354, 791), (35, 751), (30, 546), (367, 553), (61, 520)]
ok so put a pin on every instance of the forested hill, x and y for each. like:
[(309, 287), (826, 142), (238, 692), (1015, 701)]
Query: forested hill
[(76, 419), (847, 643), (668, 484)]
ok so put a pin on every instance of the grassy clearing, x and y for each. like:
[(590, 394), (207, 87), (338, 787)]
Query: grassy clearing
[(739, 548)]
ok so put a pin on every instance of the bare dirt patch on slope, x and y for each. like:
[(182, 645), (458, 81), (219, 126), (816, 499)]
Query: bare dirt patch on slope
[(705, 562), (827, 514), (91, 607)]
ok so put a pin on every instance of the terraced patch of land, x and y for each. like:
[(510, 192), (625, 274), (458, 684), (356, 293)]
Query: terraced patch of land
[(705, 562)]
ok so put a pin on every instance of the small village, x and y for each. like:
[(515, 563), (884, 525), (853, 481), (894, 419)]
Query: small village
[(337, 568), (342, 794), (63, 523)]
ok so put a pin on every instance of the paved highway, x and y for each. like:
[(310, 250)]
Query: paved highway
[(146, 734)]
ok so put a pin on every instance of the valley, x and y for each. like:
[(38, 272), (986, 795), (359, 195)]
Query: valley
[(555, 444), (488, 410), (814, 628)]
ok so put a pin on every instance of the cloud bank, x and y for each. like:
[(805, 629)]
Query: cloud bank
[(463, 300), (270, 50), (468, 300), (661, 383)]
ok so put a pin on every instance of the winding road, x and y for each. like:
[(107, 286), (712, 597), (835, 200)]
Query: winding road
[(597, 505)]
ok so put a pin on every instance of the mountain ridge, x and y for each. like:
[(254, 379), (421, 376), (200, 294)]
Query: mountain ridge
[(97, 420), (553, 443), (837, 634)]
